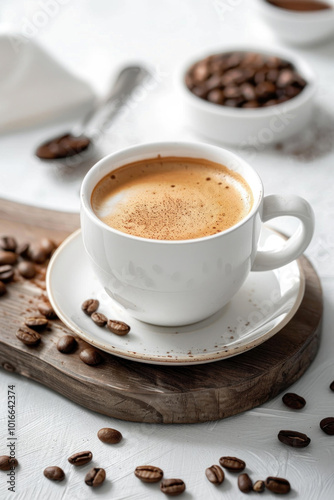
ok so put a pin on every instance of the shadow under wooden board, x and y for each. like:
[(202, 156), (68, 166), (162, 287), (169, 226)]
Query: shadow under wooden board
[(140, 392)]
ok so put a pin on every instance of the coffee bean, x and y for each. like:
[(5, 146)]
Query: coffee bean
[(54, 473), (90, 356), (37, 254), (7, 462), (216, 96), (46, 309), (7, 258), (215, 474), (90, 306), (259, 486), (172, 487), (277, 485), (67, 344), (108, 435), (293, 401), (294, 439), (6, 273), (27, 270), (99, 318), (36, 323), (27, 336), (118, 327), (232, 463), (149, 473), (245, 483), (8, 243), (95, 477), (81, 458), (3, 288), (332, 386), (47, 246), (22, 249), (327, 425)]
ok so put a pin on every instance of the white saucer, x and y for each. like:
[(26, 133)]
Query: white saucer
[(265, 303)]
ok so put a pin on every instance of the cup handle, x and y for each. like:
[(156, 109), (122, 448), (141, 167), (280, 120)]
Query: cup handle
[(277, 206)]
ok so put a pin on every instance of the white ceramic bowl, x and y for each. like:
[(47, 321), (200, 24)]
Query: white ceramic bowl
[(248, 127), (298, 28)]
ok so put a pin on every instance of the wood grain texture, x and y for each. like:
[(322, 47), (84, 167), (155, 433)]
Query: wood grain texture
[(145, 393)]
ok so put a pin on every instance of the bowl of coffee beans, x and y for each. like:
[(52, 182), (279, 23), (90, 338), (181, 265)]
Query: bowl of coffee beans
[(299, 22), (247, 97)]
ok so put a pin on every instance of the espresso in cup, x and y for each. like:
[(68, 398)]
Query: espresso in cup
[(146, 227), (172, 198)]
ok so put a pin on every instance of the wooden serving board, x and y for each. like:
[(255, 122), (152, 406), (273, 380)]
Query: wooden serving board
[(146, 393)]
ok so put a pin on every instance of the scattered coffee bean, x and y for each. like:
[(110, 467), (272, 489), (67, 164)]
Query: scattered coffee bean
[(277, 485), (294, 439), (149, 473), (8, 243), (27, 336), (37, 254), (54, 473), (215, 474), (99, 318), (108, 435), (232, 463), (244, 79), (67, 344), (3, 288), (259, 486), (293, 401), (81, 458), (95, 477), (245, 483), (90, 306), (327, 425), (118, 327), (7, 462), (332, 386), (90, 356), (22, 249), (172, 487), (46, 309), (47, 246), (36, 323), (6, 273), (7, 258), (27, 269)]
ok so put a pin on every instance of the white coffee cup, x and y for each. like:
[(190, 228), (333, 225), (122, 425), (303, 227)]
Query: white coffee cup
[(181, 282)]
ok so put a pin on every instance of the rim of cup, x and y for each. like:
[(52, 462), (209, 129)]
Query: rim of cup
[(152, 150)]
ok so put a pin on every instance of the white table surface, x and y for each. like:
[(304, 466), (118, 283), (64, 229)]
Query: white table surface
[(94, 38)]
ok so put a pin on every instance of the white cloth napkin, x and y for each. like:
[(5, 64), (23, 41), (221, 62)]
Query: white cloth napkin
[(34, 87)]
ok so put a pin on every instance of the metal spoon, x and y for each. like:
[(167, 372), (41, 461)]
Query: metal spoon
[(77, 144)]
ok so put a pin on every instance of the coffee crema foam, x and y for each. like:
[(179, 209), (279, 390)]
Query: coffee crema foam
[(172, 198)]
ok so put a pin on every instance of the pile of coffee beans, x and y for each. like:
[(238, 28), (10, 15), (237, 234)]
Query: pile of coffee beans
[(27, 260), (22, 259), (244, 80), (90, 307)]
